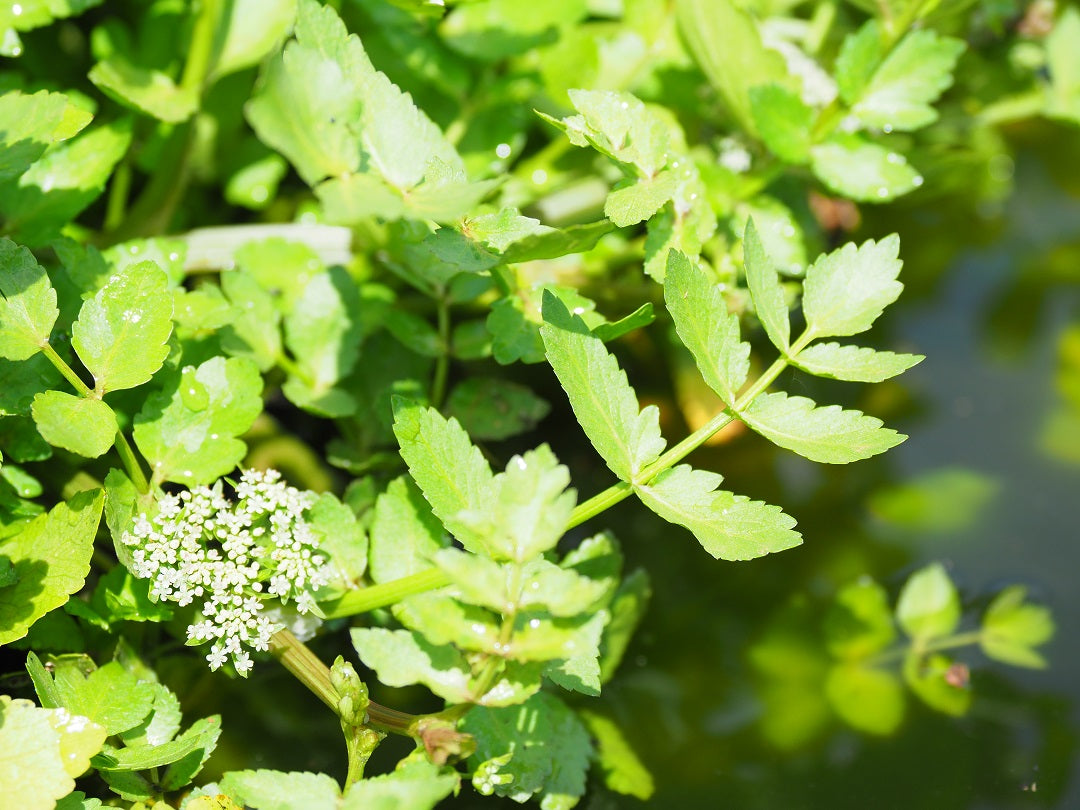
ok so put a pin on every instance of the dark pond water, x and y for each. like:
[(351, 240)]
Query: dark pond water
[(988, 484)]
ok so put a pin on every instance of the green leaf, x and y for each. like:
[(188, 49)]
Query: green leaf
[(196, 443), (858, 60), (51, 558), (706, 326), (784, 122), (550, 749), (929, 606), (32, 123), (847, 289), (869, 700), (352, 198), (143, 89), (38, 13), (939, 683), (161, 725), (827, 434), (620, 126), (740, 64), (1012, 627), (624, 772), (344, 540), (254, 331), (728, 526), (404, 532), (528, 509), (763, 280), (307, 104), (859, 622), (402, 657), (275, 790), (1063, 62), (627, 437), (444, 620), (571, 647), (254, 28), (416, 785), (449, 469), (948, 499), (27, 303), (109, 695), (121, 332), (864, 171), (627, 608), (323, 333), (552, 243), (493, 409), (188, 752), (39, 750), (636, 202), (57, 188), (854, 363), (902, 88), (83, 425)]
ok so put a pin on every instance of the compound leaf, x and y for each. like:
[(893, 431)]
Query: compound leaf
[(765, 289), (846, 290)]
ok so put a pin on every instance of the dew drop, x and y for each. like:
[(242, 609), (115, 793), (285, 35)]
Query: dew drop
[(16, 10), (539, 177), (917, 180), (133, 250), (534, 623), (520, 462), (534, 586), (789, 231), (174, 256), (579, 310), (892, 157), (883, 192), (887, 128), (625, 105), (503, 150), (213, 436), (259, 193), (675, 164)]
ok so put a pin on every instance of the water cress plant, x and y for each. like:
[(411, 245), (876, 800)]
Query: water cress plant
[(362, 340)]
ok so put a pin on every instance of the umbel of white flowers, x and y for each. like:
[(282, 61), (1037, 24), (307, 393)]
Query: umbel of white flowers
[(232, 556)]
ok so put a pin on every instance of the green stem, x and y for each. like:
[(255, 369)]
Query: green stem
[(935, 645), (599, 503), (306, 667), (203, 41), (442, 362), (127, 454), (119, 189), (385, 594)]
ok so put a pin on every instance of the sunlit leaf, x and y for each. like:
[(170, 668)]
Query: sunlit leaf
[(1012, 627), (624, 772), (859, 622), (27, 303), (854, 363), (870, 700), (929, 605), (764, 283), (862, 170), (83, 425), (783, 121), (404, 533)]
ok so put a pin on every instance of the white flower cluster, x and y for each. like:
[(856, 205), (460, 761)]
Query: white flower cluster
[(202, 546)]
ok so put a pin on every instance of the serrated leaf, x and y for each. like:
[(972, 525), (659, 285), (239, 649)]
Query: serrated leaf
[(275, 790), (402, 657), (626, 437), (449, 469), (828, 434), (624, 772), (784, 122), (344, 540), (444, 620), (742, 63), (253, 29), (199, 445), (929, 605), (620, 126), (706, 327), (323, 333), (63, 182), (902, 88), (51, 558), (143, 89), (161, 725), (859, 622), (109, 695), (549, 745), (639, 200), (185, 755), (556, 242), (416, 785), (254, 330), (770, 304), (728, 526), (860, 54), (404, 532), (121, 332), (83, 425), (352, 198), (1012, 627), (869, 700), (853, 363), (32, 123), (493, 409), (571, 647), (32, 771), (38, 13), (308, 101), (862, 170), (529, 509), (27, 303)]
